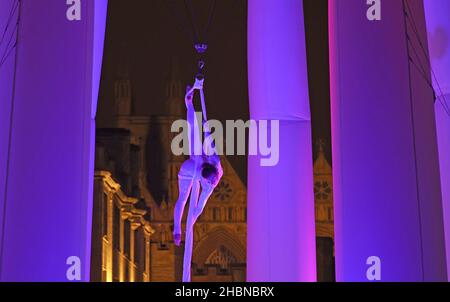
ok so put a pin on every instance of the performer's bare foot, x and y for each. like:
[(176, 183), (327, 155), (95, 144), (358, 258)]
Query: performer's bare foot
[(177, 239)]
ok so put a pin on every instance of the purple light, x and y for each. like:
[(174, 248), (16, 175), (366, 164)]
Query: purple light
[(6, 93), (438, 25), (280, 226), (385, 161), (49, 192)]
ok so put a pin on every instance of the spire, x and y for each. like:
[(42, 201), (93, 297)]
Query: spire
[(321, 165), (123, 71), (123, 92), (321, 144), (174, 91)]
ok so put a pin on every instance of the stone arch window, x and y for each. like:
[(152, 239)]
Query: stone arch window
[(123, 90), (216, 214), (322, 190), (221, 257), (224, 191), (222, 248), (230, 214)]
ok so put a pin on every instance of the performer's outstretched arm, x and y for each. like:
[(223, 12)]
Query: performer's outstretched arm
[(195, 137), (187, 171)]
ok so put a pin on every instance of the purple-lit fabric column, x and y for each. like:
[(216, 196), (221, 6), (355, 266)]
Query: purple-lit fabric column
[(438, 22), (281, 231), (385, 158), (48, 201), (8, 21)]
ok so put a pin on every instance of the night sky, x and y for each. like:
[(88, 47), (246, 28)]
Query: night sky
[(144, 38)]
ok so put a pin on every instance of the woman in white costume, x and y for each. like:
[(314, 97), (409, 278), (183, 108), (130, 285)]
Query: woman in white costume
[(201, 171)]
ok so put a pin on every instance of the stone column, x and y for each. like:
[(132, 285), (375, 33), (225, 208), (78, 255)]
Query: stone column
[(147, 257), (110, 251), (122, 263)]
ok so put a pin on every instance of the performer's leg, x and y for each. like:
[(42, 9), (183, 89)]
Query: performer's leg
[(184, 187), (189, 241), (207, 191)]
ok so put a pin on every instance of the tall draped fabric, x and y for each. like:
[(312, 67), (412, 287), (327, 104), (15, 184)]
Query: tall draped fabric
[(438, 27), (47, 190), (387, 198), (280, 221)]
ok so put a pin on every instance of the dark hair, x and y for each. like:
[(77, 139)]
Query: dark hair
[(210, 172)]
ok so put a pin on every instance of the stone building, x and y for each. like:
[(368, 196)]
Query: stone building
[(121, 234), (121, 230), (137, 156), (323, 195)]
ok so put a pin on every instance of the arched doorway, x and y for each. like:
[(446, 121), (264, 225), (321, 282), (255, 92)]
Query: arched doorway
[(220, 256)]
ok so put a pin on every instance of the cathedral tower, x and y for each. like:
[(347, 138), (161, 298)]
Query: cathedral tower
[(163, 165), (123, 95)]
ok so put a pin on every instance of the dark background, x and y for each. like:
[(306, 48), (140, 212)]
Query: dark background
[(145, 37)]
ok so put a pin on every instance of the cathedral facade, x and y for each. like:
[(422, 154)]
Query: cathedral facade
[(136, 176)]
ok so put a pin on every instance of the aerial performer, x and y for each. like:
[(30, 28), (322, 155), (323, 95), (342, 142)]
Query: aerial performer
[(202, 171)]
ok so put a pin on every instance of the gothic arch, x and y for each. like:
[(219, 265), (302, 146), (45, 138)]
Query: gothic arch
[(217, 237)]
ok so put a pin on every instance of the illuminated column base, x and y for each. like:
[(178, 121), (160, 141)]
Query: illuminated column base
[(280, 221)]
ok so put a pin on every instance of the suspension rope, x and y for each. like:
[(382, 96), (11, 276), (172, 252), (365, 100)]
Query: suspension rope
[(421, 69), (8, 47), (191, 17), (7, 54), (12, 43), (8, 22), (422, 72), (441, 96), (181, 27), (415, 151), (199, 36)]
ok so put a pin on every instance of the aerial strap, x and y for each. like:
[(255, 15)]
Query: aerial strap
[(201, 47)]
